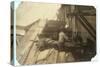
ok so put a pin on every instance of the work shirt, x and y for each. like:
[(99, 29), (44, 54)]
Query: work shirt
[(62, 37)]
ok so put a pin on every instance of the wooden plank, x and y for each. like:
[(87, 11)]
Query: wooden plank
[(61, 57), (29, 58), (69, 57), (53, 57), (25, 44), (22, 56), (84, 14), (28, 52), (43, 56)]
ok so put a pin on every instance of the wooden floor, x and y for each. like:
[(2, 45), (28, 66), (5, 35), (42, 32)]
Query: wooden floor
[(48, 56), (28, 53)]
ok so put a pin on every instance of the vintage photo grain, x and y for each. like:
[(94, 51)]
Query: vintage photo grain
[(49, 33)]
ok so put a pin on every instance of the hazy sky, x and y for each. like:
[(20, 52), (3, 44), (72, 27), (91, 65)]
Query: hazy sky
[(28, 12)]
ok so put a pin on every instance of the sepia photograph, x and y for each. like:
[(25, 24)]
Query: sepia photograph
[(51, 33)]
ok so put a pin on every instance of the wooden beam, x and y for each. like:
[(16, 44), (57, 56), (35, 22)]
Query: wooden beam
[(83, 14)]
